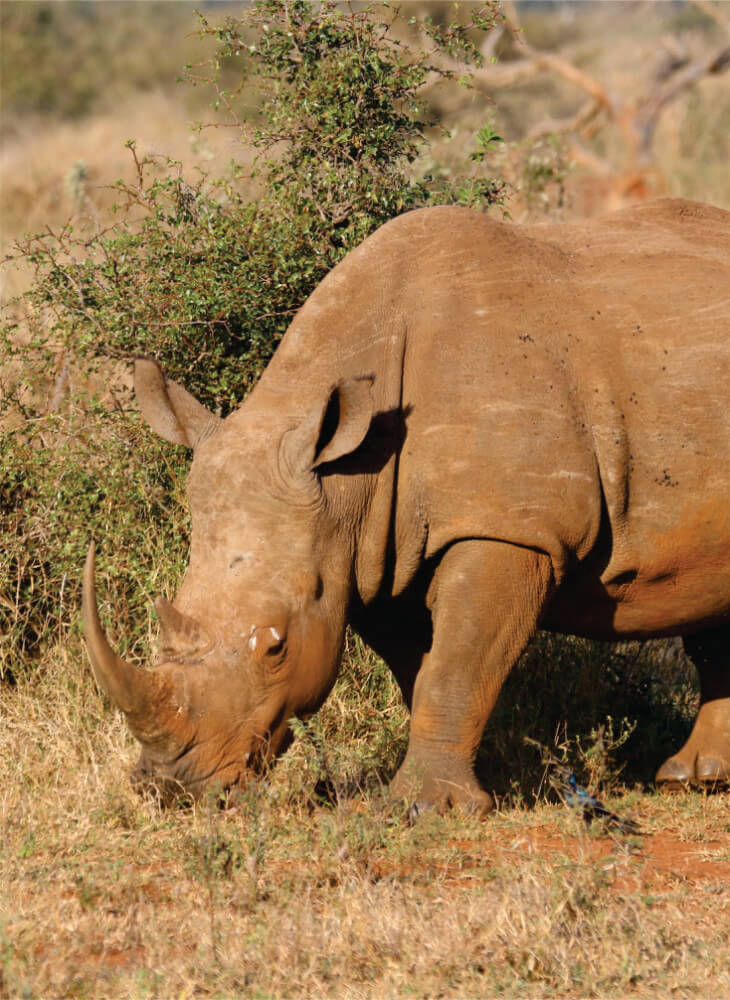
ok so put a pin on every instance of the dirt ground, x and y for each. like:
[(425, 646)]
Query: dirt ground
[(103, 894)]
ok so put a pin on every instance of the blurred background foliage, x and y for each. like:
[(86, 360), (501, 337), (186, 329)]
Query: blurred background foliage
[(68, 59), (176, 185)]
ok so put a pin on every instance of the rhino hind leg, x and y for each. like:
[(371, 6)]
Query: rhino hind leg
[(704, 760), (486, 601)]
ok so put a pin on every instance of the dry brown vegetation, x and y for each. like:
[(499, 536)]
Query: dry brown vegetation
[(313, 885), (295, 894), (606, 103), (59, 170)]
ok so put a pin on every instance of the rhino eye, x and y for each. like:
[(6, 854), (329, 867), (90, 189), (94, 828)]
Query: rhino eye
[(268, 640), (277, 643)]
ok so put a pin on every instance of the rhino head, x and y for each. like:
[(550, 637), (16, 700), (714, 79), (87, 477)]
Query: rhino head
[(254, 636)]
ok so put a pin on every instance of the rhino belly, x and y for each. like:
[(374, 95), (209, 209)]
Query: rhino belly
[(666, 592)]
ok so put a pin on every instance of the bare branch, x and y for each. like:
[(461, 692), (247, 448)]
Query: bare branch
[(553, 126), (583, 157), (488, 49), (676, 57), (646, 118), (548, 61), (60, 384)]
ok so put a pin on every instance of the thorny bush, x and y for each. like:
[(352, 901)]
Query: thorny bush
[(203, 273)]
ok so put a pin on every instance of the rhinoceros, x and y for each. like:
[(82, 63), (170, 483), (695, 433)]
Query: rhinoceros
[(470, 430)]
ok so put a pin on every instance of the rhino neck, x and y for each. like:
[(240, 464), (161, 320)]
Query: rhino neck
[(372, 340)]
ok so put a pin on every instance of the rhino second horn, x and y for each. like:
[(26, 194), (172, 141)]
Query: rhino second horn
[(179, 629), (134, 691)]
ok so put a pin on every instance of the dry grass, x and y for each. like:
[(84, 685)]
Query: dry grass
[(56, 171), (104, 895)]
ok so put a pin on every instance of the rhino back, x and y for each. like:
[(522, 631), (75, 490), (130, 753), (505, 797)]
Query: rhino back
[(565, 387)]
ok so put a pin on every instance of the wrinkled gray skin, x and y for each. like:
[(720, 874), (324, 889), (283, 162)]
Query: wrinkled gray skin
[(469, 430)]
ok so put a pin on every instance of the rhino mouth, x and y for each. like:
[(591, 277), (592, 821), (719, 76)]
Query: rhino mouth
[(168, 793), (185, 780), (181, 789)]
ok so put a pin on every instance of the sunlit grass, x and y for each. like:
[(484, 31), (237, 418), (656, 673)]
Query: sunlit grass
[(312, 887)]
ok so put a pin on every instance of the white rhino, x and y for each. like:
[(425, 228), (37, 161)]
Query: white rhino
[(471, 429)]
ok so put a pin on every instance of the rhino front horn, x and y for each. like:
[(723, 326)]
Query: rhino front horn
[(136, 692)]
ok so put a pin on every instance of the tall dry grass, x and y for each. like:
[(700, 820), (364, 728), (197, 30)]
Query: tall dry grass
[(290, 894), (65, 171)]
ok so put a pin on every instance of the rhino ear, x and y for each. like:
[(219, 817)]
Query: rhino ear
[(169, 409), (334, 428), (345, 420)]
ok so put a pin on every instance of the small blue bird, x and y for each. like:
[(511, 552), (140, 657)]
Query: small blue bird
[(564, 781)]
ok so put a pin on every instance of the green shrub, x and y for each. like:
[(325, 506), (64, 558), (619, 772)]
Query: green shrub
[(200, 275), (89, 472)]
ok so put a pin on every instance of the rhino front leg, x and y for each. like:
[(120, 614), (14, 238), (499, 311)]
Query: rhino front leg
[(705, 758), (486, 601)]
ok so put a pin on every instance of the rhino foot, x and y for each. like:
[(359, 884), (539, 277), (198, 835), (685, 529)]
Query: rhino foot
[(704, 771), (675, 773), (448, 787), (704, 760), (473, 806), (712, 770)]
